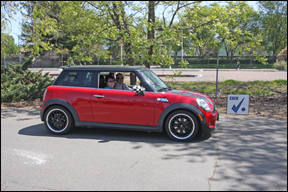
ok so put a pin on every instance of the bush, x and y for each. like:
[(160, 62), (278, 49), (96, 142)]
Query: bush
[(282, 65), (18, 84), (282, 56)]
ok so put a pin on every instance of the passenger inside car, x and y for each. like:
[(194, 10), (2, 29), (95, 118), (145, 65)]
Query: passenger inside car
[(119, 82)]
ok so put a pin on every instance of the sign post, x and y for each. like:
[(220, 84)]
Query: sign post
[(217, 74)]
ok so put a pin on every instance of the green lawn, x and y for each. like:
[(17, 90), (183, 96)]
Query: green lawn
[(225, 66), (253, 88)]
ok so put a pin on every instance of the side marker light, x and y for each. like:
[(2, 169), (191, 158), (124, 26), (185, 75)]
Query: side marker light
[(200, 117)]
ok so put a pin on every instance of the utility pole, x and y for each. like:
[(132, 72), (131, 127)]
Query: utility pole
[(18, 47), (217, 73), (121, 44), (19, 50), (182, 47)]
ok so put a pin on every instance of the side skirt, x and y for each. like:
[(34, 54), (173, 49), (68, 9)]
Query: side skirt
[(118, 126)]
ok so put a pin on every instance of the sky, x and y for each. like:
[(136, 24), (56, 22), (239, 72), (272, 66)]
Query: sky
[(16, 25)]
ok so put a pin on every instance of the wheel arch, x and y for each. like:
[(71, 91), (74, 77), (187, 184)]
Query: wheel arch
[(62, 103), (181, 106)]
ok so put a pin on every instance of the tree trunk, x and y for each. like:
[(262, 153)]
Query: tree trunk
[(151, 33), (175, 56), (130, 60), (116, 19), (208, 59), (227, 51), (231, 57), (273, 56), (129, 53)]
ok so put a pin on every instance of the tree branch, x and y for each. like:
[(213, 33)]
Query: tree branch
[(177, 9), (12, 48), (174, 14)]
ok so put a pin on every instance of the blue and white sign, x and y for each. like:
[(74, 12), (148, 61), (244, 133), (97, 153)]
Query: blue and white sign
[(238, 104)]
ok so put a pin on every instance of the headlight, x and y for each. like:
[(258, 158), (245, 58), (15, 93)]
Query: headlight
[(203, 104)]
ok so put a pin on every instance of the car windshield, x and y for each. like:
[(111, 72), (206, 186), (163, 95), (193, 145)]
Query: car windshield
[(155, 82)]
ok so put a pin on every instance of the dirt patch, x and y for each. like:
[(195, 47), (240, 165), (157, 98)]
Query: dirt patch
[(274, 106), (22, 104)]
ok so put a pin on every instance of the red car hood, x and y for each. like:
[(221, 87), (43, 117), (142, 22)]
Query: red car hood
[(189, 94)]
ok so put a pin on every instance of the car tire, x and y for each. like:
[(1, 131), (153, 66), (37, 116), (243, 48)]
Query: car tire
[(58, 120), (181, 125)]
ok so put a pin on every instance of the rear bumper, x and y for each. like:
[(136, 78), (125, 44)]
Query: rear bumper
[(41, 112)]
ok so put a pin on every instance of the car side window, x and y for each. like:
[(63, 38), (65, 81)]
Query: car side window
[(87, 79), (125, 80), (76, 79)]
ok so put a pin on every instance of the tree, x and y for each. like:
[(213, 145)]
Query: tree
[(113, 48), (151, 30), (99, 52), (91, 23), (7, 45), (166, 29), (8, 9), (253, 24), (238, 33), (204, 40), (46, 17), (223, 21), (112, 20), (274, 24)]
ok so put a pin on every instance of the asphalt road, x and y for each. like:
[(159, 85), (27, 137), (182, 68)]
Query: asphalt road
[(245, 153)]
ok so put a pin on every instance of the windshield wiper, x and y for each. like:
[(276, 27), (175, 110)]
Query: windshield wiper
[(162, 89), (165, 89)]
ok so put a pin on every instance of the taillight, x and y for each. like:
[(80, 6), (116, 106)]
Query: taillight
[(44, 94)]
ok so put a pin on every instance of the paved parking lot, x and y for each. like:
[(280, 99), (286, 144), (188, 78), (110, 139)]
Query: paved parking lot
[(245, 153), (206, 74)]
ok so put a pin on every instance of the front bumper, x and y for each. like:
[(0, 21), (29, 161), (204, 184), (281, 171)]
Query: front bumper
[(210, 123)]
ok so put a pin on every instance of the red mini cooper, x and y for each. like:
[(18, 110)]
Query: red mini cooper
[(80, 97)]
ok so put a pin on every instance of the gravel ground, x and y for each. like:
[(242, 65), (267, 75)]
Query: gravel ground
[(275, 106)]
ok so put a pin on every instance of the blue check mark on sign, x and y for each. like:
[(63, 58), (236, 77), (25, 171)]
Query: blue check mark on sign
[(236, 108)]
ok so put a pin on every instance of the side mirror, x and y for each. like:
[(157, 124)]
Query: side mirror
[(138, 89)]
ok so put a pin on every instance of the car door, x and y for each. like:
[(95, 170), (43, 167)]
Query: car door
[(76, 87), (122, 107)]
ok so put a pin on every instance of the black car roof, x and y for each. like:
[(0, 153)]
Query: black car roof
[(105, 68)]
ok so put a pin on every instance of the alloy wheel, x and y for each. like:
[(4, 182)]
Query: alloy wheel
[(57, 120), (181, 126)]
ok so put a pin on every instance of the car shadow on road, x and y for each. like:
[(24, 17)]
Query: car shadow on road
[(107, 135)]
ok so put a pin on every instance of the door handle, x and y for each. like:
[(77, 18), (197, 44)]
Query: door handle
[(98, 96)]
